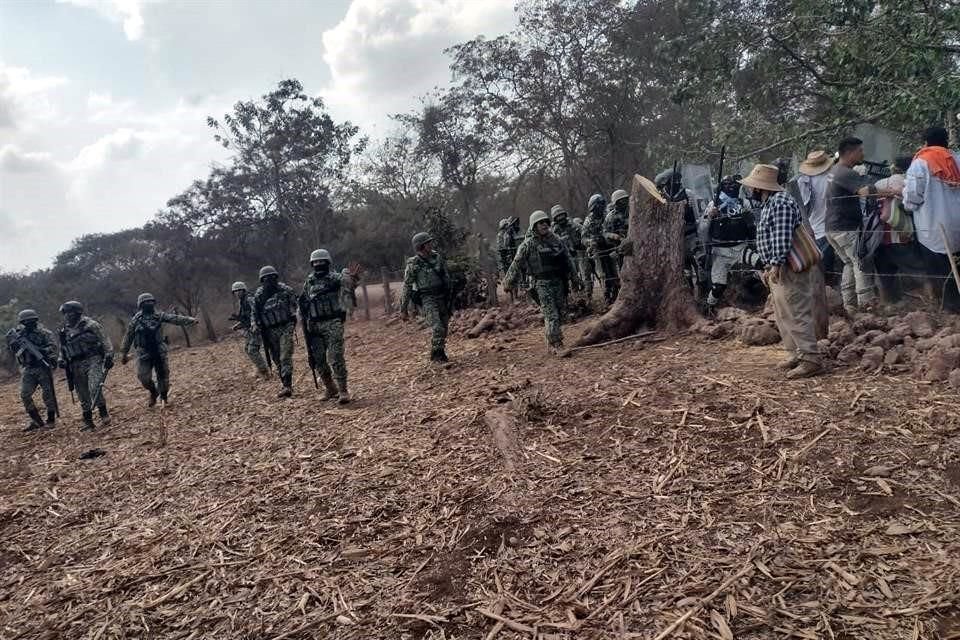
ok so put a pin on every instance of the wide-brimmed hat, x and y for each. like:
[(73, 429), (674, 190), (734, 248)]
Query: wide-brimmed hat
[(816, 163), (763, 176)]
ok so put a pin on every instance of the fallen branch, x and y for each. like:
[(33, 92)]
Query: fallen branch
[(705, 600), (642, 334)]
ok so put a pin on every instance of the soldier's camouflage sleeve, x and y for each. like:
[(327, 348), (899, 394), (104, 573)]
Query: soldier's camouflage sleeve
[(127, 338), (509, 280), (293, 301), (409, 279), (105, 342), (180, 321), (50, 348)]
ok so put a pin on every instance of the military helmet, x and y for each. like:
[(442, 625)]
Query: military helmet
[(145, 297), (267, 271), (577, 221), (420, 239), (27, 314), (320, 254), (238, 286), (557, 210), (619, 194), (504, 223), (596, 200), (537, 217), (71, 306), (663, 177)]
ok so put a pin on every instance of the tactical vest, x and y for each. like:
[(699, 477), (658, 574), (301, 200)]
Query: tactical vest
[(147, 334), (546, 260), (429, 278), (276, 310), (726, 230), (324, 301), (80, 342)]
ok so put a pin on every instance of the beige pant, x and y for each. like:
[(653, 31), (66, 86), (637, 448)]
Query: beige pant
[(856, 285), (793, 310)]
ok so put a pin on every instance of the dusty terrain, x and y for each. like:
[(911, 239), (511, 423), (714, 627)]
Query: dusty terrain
[(672, 489)]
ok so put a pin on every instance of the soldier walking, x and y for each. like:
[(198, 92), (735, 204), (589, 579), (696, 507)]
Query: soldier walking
[(86, 354), (426, 283), (545, 257), (599, 247), (35, 350), (569, 234), (145, 332), (275, 312), (252, 344), (323, 316)]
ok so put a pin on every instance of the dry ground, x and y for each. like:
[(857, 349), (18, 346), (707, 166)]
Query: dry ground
[(640, 486)]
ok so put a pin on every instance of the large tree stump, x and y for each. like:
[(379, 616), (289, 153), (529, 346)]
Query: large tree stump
[(653, 293)]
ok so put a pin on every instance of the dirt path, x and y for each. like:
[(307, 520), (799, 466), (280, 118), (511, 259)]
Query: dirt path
[(643, 477)]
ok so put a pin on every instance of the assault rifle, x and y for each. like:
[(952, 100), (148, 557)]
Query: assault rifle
[(70, 385), (306, 340), (19, 345), (716, 192)]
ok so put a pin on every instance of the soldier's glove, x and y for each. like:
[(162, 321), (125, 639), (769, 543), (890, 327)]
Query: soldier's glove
[(108, 362), (62, 363), (124, 358)]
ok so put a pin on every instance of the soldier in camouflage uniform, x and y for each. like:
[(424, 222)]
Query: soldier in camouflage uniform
[(617, 222), (549, 264), (145, 332), (599, 247), (275, 312), (570, 234), (87, 353), (252, 345), (426, 282), (35, 371), (321, 310)]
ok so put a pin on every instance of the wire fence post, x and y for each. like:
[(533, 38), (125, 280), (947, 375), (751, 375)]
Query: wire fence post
[(387, 298), (366, 301)]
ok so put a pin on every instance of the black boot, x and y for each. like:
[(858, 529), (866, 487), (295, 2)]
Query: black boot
[(87, 421), (154, 394), (287, 390), (435, 355), (331, 391), (51, 418), (104, 415), (36, 421), (442, 356)]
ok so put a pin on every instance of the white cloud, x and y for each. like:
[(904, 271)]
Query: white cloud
[(128, 13), (384, 53), (15, 160), (25, 97)]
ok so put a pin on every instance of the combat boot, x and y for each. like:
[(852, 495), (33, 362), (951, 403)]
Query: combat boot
[(437, 355), (442, 356), (51, 419), (87, 421), (104, 416), (287, 390), (36, 421), (344, 396), (330, 388), (154, 394), (806, 369)]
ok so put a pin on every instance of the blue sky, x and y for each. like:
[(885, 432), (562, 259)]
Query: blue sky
[(103, 102)]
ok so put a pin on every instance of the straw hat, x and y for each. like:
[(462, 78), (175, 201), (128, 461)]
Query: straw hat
[(763, 176), (816, 163)]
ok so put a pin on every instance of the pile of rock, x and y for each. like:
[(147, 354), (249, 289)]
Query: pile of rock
[(473, 323), (917, 341)]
